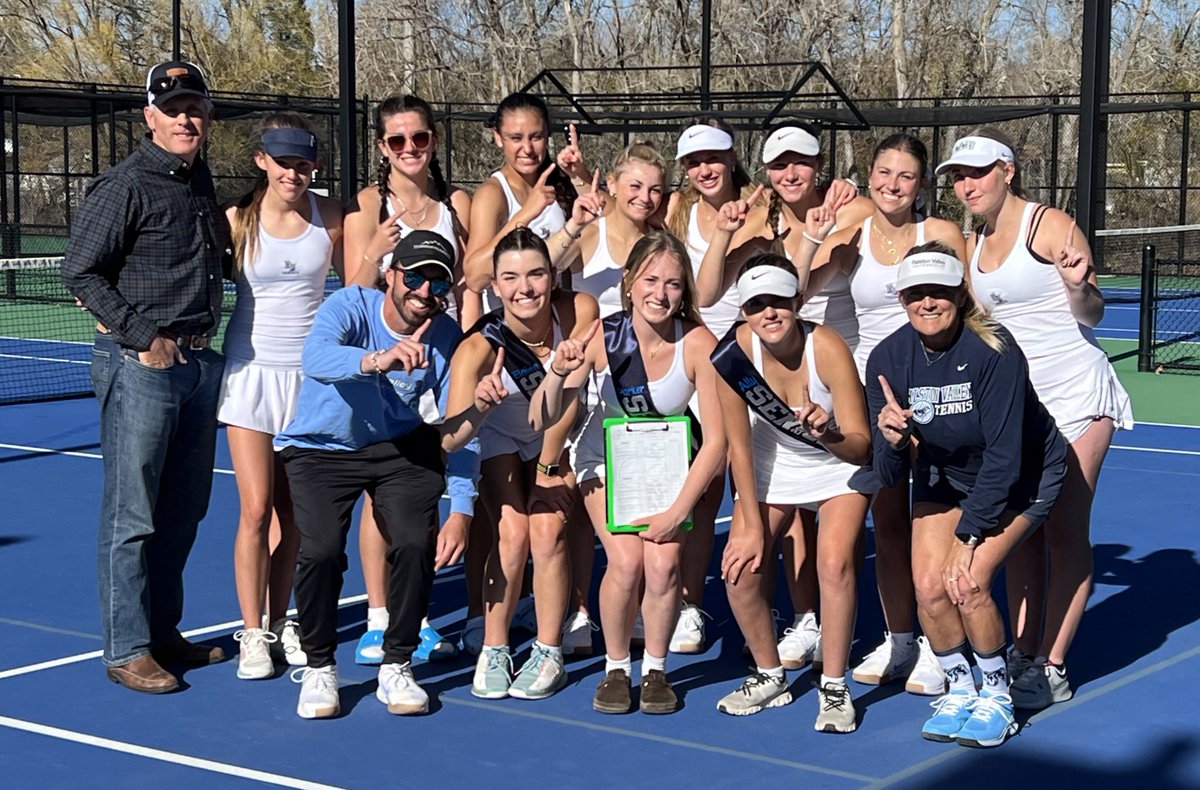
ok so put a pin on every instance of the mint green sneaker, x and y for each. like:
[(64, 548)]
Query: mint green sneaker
[(540, 676), (493, 673)]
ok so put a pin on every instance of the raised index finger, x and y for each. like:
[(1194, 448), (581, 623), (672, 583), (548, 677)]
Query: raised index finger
[(587, 337), (541, 182), (888, 395), (573, 135), (416, 336), (499, 363), (753, 200), (596, 181)]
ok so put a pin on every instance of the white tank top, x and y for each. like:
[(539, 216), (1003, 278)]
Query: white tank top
[(601, 275), (876, 304), (670, 393), (444, 227), (833, 306), (1027, 295), (819, 393), (725, 311), (511, 416), (549, 222), (278, 293)]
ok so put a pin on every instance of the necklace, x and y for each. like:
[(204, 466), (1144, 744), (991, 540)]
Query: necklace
[(892, 248), (540, 343), (654, 351), (415, 220), (929, 360)]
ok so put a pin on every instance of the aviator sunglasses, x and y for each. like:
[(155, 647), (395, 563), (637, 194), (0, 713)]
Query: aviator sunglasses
[(420, 141)]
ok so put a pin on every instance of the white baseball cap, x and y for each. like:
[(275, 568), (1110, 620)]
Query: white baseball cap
[(702, 137), (766, 279), (790, 138), (976, 152), (929, 268)]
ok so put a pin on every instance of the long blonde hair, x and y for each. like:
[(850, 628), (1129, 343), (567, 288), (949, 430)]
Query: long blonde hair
[(244, 227), (677, 222), (974, 317), (646, 248)]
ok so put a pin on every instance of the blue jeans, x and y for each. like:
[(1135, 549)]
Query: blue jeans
[(158, 430)]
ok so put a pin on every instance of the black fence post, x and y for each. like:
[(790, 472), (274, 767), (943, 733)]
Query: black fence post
[(1184, 157), (1146, 309)]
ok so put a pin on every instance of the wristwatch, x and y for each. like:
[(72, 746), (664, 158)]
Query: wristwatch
[(970, 541), (550, 470)]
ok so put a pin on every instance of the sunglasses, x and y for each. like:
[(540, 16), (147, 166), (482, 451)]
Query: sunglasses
[(185, 81), (420, 141), (438, 286)]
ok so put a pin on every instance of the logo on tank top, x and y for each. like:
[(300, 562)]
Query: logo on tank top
[(528, 379), (997, 296), (290, 267), (890, 292), (544, 233)]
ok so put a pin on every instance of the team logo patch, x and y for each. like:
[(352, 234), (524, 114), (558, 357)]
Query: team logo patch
[(922, 411), (289, 267)]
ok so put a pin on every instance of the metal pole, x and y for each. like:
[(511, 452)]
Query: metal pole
[(176, 19), (347, 137), (1093, 123), (1185, 150), (1146, 306), (705, 54), (1055, 128)]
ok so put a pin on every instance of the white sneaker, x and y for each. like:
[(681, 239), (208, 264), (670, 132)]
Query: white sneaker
[(927, 677), (471, 639), (254, 655), (798, 647), (525, 615), (400, 691), (577, 635), (287, 649), (886, 663), (758, 692), (689, 630), (318, 692)]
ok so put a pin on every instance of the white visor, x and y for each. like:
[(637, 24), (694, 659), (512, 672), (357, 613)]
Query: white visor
[(789, 138), (702, 137), (929, 268), (976, 152), (762, 280)]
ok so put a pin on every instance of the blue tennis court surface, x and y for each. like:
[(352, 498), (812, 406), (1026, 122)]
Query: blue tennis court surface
[(1133, 720)]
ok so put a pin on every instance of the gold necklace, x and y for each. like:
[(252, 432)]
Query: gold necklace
[(406, 210), (541, 343), (892, 248)]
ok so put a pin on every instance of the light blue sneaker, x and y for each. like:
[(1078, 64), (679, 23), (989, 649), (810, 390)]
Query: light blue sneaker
[(433, 646), (493, 673), (370, 648), (951, 712), (540, 676), (991, 721)]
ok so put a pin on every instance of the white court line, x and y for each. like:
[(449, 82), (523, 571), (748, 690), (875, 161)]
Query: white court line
[(1154, 450), (47, 340), (75, 659), (200, 763), (77, 454), (1167, 424), (31, 358)]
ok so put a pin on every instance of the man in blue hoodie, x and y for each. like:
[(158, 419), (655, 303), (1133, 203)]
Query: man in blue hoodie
[(376, 369)]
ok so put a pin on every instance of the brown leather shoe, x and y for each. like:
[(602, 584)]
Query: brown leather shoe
[(188, 654), (143, 674)]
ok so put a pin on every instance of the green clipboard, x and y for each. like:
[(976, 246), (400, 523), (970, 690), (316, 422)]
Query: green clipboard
[(646, 460)]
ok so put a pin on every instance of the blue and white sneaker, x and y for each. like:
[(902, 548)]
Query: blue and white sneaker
[(540, 676), (951, 712), (991, 721), (370, 648), (493, 673), (433, 646)]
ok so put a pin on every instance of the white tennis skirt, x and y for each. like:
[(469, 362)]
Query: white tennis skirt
[(257, 397)]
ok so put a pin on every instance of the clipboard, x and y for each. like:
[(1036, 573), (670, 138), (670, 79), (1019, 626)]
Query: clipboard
[(646, 461)]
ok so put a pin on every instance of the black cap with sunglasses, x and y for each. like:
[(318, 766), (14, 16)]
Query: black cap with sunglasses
[(174, 78), (424, 248)]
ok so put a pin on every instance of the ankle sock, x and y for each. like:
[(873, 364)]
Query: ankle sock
[(650, 662), (775, 672), (377, 618), (994, 672), (612, 664), (958, 672)]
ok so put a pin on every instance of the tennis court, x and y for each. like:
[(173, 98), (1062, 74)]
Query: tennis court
[(1132, 721)]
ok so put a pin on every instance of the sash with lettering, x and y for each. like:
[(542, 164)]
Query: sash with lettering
[(738, 371), (521, 363), (628, 372)]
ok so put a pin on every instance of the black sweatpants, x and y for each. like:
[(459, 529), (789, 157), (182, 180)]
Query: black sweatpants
[(405, 478)]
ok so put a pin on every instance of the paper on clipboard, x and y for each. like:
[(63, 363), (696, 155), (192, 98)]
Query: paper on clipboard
[(646, 465)]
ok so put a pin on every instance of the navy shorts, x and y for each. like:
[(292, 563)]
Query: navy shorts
[(1031, 497)]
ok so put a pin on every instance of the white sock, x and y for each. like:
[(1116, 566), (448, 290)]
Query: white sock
[(554, 650), (611, 664), (994, 673), (377, 618), (650, 662), (775, 672), (838, 681), (807, 620), (958, 672)]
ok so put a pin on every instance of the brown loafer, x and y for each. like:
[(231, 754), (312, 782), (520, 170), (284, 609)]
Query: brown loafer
[(188, 654), (145, 675), (657, 695)]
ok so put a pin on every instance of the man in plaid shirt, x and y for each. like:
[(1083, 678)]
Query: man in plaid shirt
[(145, 257)]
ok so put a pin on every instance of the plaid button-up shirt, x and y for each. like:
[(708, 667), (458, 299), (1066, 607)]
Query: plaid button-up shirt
[(146, 248)]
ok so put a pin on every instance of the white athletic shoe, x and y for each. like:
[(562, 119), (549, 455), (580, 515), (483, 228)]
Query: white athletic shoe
[(254, 654), (318, 692), (577, 635), (287, 649), (400, 691), (798, 646), (689, 630), (886, 663), (758, 692), (927, 677)]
